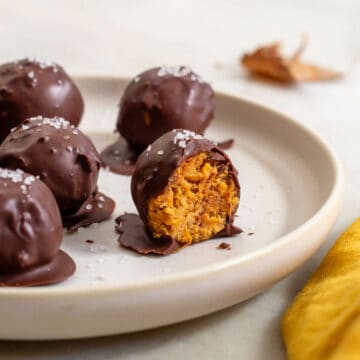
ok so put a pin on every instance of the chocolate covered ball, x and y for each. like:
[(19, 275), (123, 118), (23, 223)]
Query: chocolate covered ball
[(60, 154), (30, 232), (31, 87), (162, 99), (186, 190)]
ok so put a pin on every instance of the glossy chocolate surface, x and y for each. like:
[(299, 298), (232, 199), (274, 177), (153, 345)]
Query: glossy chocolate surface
[(162, 99), (30, 231), (31, 87), (60, 154)]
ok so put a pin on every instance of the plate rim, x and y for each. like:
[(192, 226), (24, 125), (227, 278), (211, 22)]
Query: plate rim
[(334, 197)]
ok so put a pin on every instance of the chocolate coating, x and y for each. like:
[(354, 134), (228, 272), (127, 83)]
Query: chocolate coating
[(30, 232), (30, 87), (63, 157), (162, 99)]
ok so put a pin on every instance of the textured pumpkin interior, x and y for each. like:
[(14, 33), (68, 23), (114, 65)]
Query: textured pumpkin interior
[(196, 204)]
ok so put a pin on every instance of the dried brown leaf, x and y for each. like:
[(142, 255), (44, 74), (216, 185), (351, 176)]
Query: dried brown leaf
[(270, 62)]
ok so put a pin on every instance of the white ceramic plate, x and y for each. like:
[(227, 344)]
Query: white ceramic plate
[(291, 190)]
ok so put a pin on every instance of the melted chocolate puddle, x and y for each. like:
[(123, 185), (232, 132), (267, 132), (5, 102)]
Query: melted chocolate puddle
[(120, 157), (96, 209), (58, 269), (134, 236)]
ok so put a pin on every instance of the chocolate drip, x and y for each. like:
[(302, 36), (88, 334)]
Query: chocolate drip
[(58, 269), (134, 236), (95, 209), (120, 157)]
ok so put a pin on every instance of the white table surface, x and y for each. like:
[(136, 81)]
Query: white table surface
[(126, 37)]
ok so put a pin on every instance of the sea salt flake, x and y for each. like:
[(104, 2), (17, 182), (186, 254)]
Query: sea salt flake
[(15, 176), (183, 136), (56, 122), (177, 71), (88, 207), (43, 63), (29, 180)]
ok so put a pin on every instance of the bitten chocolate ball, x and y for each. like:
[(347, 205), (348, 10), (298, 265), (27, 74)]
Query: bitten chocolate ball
[(162, 99), (30, 232), (31, 87), (63, 157), (185, 189)]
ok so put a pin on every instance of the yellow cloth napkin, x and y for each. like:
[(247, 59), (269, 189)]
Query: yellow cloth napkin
[(323, 322)]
